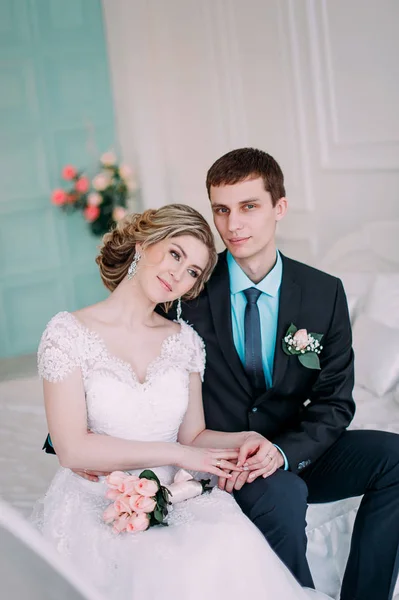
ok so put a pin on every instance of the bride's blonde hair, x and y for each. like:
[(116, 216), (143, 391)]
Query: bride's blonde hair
[(148, 228)]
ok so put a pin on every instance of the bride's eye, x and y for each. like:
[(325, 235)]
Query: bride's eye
[(193, 273), (175, 255)]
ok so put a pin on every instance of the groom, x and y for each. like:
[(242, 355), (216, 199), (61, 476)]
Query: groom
[(251, 383)]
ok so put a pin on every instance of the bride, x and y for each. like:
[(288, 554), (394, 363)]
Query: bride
[(133, 379)]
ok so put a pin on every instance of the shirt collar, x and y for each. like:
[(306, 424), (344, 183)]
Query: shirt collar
[(239, 281)]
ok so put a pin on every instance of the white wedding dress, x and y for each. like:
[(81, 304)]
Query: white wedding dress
[(210, 548)]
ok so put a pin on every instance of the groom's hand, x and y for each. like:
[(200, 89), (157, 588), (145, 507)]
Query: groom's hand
[(264, 468), (259, 456)]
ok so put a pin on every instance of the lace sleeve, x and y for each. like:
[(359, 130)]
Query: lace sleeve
[(197, 354), (57, 354)]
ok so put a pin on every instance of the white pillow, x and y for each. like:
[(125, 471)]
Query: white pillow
[(355, 283), (362, 261), (376, 348), (382, 303), (356, 286), (353, 306)]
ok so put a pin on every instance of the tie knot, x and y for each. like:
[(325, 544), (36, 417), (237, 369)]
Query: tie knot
[(252, 295)]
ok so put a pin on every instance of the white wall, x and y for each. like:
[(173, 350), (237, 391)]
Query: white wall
[(313, 82)]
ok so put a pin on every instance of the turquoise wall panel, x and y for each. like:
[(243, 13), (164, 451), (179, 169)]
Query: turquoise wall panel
[(55, 108)]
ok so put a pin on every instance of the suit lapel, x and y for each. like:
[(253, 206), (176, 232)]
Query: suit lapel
[(219, 299), (289, 307)]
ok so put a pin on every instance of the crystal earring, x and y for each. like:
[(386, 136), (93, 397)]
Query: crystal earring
[(133, 265), (178, 310)]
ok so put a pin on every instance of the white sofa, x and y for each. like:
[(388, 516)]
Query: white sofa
[(368, 264)]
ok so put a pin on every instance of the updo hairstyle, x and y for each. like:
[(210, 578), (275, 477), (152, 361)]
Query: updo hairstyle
[(148, 228)]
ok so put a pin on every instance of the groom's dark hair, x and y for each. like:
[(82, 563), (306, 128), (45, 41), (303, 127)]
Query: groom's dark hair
[(247, 163)]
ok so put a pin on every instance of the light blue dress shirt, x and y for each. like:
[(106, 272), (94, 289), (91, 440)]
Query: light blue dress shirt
[(268, 304)]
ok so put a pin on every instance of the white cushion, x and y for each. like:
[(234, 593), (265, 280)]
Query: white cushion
[(355, 283), (376, 348), (354, 305), (382, 303), (357, 286), (365, 261)]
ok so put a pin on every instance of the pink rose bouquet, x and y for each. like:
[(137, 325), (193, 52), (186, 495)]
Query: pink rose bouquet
[(140, 502)]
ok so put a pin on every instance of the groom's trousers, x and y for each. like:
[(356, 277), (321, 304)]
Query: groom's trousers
[(358, 463)]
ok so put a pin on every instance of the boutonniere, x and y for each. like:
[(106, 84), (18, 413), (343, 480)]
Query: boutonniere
[(306, 346)]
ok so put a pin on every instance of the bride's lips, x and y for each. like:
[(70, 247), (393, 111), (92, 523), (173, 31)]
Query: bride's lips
[(165, 284)]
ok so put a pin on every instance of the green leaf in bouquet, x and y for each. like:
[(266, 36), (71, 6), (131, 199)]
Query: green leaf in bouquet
[(158, 515), (162, 507), (291, 329), (166, 494), (310, 360), (161, 503), (154, 522)]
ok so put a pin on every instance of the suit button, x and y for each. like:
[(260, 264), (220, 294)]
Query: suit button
[(254, 409)]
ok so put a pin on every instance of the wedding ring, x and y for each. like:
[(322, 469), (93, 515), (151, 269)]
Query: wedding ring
[(218, 462)]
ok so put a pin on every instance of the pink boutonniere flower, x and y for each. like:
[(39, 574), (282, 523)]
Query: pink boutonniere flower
[(307, 346)]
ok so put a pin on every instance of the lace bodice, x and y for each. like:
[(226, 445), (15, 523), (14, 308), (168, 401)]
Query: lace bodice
[(117, 403)]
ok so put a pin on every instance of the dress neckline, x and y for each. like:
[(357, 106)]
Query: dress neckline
[(124, 363)]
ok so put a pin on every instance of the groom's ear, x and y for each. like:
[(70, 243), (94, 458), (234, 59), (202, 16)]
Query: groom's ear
[(281, 208)]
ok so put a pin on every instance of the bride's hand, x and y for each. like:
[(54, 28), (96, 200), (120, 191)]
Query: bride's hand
[(209, 460), (90, 475)]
